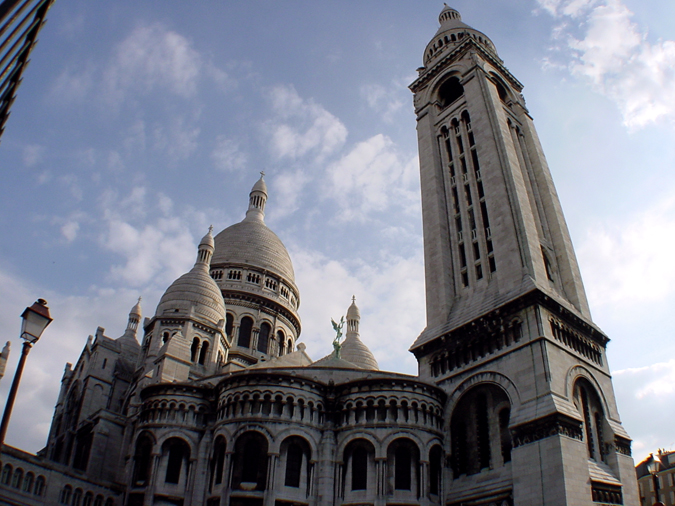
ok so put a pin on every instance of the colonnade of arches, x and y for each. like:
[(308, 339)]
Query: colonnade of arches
[(262, 338)]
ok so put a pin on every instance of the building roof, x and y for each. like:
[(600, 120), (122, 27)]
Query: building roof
[(251, 242)]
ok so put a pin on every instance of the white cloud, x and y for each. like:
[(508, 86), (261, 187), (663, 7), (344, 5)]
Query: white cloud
[(390, 296), (629, 261), (647, 390), (617, 59), (178, 140), (227, 156), (155, 250), (288, 191), (371, 177), (153, 57), (69, 230), (32, 154), (303, 127), (150, 59), (386, 101)]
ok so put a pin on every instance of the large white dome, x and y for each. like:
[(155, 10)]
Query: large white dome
[(251, 242), (195, 291)]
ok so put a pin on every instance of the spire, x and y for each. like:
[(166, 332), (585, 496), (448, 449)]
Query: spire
[(353, 349), (205, 250), (449, 16), (134, 318), (353, 319), (257, 199)]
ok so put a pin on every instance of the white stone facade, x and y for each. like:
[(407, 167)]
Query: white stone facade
[(219, 404)]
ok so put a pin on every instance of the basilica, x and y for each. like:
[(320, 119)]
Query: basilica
[(214, 400)]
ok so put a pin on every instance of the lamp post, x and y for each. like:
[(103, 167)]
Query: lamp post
[(35, 321), (653, 465)]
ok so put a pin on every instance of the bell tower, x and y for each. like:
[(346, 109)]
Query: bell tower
[(532, 417)]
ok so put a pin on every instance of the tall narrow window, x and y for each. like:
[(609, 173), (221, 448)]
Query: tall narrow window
[(402, 468), (204, 352), (263, 337), (142, 460), (359, 468), (435, 469), (218, 461), (504, 433), (194, 349), (229, 324), (245, 332), (293, 465), (178, 452)]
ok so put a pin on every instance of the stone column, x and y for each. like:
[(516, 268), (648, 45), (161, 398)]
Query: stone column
[(270, 496)]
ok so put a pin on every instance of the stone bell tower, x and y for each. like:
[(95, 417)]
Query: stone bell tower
[(532, 417)]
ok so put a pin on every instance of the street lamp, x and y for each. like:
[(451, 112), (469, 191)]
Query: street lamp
[(35, 321), (653, 466)]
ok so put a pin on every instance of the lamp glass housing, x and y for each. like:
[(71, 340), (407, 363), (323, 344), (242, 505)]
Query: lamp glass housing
[(35, 321)]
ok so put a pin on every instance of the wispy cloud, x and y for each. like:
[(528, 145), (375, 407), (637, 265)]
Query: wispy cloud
[(617, 58), (628, 262), (371, 177), (155, 243), (227, 156), (387, 101), (301, 127), (150, 60)]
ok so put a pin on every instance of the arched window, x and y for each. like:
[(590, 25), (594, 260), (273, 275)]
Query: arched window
[(6, 474), (39, 486), (203, 352), (99, 500), (450, 91), (110, 501), (281, 339), (229, 324), (501, 89), (17, 480), (245, 332), (263, 337), (588, 403), (360, 459), (142, 461), (435, 469), (28, 482), (297, 454), (194, 349), (83, 442), (177, 454), (360, 468), (250, 462), (403, 464), (478, 420), (88, 499), (77, 497), (218, 461), (66, 493)]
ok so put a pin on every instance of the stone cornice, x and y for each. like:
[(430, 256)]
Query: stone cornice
[(441, 65)]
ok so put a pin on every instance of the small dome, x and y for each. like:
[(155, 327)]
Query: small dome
[(195, 292), (353, 312), (353, 350), (251, 242), (136, 310), (260, 185), (207, 240)]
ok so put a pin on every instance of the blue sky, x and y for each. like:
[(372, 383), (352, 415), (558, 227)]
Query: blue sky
[(139, 124)]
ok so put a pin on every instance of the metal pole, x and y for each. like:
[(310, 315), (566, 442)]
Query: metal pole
[(656, 487), (12, 392)]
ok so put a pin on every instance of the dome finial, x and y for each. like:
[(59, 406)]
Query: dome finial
[(257, 199), (205, 249)]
